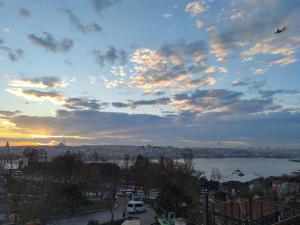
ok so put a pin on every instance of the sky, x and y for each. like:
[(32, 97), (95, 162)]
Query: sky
[(160, 72)]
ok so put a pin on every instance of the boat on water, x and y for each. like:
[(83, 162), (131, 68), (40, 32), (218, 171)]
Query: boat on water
[(294, 160)]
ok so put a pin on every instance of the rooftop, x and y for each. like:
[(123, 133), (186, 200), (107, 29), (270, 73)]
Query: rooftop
[(240, 177)]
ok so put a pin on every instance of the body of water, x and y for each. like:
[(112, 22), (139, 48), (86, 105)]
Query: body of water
[(262, 166)]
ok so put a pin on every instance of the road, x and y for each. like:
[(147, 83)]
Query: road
[(146, 218)]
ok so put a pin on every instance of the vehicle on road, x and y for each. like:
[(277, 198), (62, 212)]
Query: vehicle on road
[(136, 206)]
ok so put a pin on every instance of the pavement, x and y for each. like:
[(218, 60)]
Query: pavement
[(146, 218)]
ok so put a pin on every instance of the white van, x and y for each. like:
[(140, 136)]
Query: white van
[(136, 206)]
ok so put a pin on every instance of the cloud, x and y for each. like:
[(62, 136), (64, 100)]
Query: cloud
[(110, 127), (40, 82), (271, 93), (259, 71), (204, 81), (239, 15), (167, 15), (239, 82), (74, 21), (194, 8), (5, 113), (49, 43), (284, 60), (147, 59), (34, 95), (118, 83), (92, 79), (173, 65), (134, 104), (250, 83), (112, 56), (118, 71), (120, 104), (199, 23), (7, 29), (24, 12), (220, 100), (57, 98), (227, 41), (220, 50), (215, 69), (100, 5), (68, 62), (195, 51), (13, 54), (154, 92), (81, 103), (284, 48)]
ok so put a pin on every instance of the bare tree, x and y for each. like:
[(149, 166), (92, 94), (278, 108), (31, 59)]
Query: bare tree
[(215, 174), (188, 158)]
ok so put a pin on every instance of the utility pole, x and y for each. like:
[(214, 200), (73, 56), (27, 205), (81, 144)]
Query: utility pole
[(225, 216), (206, 209), (204, 192), (213, 213), (45, 165), (261, 212), (239, 214)]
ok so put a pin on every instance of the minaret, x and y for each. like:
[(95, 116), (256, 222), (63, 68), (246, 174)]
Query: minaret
[(7, 147)]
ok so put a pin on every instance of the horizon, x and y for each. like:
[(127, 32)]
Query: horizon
[(260, 148), (188, 73)]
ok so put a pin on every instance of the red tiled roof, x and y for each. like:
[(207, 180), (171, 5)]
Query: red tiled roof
[(8, 156), (243, 207)]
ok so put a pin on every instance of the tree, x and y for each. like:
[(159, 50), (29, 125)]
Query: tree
[(178, 196), (111, 177), (126, 160), (16, 190), (72, 195), (179, 188), (91, 177), (142, 173), (215, 174), (188, 158), (66, 167)]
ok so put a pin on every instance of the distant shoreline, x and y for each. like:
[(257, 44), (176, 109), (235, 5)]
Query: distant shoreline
[(117, 152)]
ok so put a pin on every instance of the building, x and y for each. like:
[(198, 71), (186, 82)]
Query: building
[(280, 188), (243, 211), (238, 182), (10, 162), (286, 190)]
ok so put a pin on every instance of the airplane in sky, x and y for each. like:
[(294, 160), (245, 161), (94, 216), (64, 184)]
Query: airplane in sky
[(278, 31)]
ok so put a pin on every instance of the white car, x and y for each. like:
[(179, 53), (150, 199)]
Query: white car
[(136, 206)]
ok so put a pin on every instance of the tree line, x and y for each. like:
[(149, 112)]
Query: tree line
[(61, 186)]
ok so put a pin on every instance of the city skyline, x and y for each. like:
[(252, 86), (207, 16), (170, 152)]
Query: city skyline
[(180, 73)]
